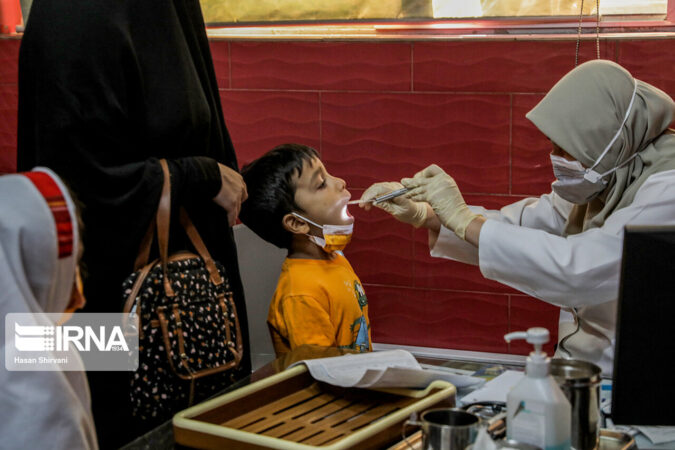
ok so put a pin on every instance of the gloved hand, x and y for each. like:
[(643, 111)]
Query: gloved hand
[(434, 186), (403, 209)]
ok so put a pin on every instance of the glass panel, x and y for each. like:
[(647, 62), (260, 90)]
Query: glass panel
[(219, 11), (525, 8), (509, 8), (237, 11), (626, 7)]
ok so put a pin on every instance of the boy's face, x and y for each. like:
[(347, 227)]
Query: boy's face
[(322, 197)]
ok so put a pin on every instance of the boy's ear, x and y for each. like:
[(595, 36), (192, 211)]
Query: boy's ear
[(294, 224)]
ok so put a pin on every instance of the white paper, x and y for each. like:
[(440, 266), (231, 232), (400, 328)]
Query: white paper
[(658, 435), (496, 389), (386, 369)]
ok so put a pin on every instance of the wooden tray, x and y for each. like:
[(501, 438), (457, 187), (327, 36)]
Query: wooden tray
[(291, 410)]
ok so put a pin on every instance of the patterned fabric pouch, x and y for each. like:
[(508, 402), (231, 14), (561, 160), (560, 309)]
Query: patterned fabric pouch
[(189, 336)]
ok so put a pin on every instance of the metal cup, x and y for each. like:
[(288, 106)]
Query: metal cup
[(446, 428), (580, 381)]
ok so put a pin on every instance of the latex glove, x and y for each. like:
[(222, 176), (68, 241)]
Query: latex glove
[(232, 192), (434, 186), (402, 208)]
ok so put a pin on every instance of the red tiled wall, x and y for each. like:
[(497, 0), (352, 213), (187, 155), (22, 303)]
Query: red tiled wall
[(382, 111), (9, 102)]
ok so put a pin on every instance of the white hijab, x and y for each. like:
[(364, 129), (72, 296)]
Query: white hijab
[(45, 409)]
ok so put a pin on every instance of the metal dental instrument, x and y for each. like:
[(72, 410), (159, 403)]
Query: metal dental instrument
[(382, 198)]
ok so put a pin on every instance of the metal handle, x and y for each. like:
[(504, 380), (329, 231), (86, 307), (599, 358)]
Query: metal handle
[(411, 421), (381, 198), (389, 196)]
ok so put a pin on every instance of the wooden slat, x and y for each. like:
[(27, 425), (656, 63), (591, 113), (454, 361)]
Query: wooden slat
[(291, 424), (271, 408), (244, 420), (286, 418), (323, 437), (309, 405), (263, 425), (303, 434), (326, 410), (286, 428), (345, 414), (368, 417)]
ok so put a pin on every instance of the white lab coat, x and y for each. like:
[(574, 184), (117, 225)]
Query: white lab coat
[(521, 246)]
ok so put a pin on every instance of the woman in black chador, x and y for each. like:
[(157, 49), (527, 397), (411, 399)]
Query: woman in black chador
[(106, 87)]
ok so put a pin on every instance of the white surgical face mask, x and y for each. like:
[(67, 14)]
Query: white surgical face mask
[(335, 237), (578, 185)]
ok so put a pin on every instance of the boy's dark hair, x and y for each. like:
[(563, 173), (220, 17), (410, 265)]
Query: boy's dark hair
[(271, 191)]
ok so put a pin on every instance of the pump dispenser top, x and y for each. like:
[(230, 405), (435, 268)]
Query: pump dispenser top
[(537, 363)]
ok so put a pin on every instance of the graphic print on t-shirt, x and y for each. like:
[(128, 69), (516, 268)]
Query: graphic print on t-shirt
[(360, 326)]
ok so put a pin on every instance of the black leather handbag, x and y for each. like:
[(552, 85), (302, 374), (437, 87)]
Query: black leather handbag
[(189, 336)]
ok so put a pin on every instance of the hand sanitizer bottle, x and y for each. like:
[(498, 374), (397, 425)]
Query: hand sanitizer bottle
[(537, 411)]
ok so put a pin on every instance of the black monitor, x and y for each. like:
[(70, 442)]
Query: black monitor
[(643, 387)]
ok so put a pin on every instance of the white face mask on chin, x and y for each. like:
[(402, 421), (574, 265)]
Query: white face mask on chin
[(335, 237), (578, 185)]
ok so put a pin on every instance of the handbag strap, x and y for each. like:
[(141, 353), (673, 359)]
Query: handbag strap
[(199, 245), (163, 221), (163, 218)]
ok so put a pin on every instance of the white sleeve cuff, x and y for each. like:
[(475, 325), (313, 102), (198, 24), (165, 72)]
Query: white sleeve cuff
[(449, 246), (486, 247)]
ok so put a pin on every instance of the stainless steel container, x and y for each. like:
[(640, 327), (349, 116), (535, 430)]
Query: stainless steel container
[(447, 428), (580, 381)]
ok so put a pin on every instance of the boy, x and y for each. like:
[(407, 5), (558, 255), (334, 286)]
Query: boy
[(294, 203)]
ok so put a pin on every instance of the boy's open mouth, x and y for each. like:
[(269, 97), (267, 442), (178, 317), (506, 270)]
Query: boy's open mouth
[(345, 214)]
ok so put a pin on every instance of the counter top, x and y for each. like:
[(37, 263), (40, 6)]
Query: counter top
[(161, 437), (482, 365)]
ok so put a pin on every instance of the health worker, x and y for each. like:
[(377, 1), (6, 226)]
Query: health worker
[(613, 157)]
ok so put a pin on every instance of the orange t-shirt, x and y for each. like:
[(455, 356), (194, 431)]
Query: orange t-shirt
[(319, 302)]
